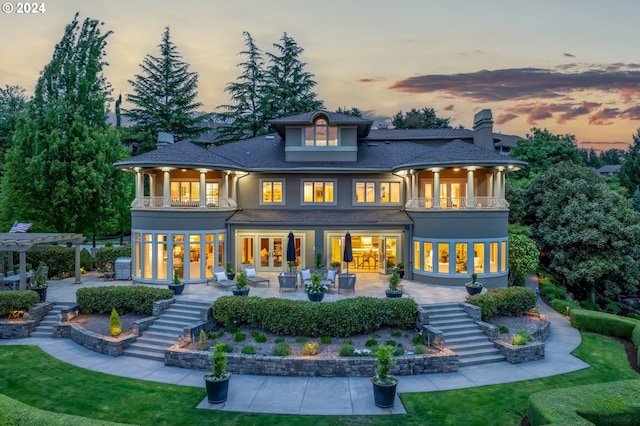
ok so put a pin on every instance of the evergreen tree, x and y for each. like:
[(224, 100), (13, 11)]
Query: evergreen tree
[(630, 169), (13, 104), (164, 95), (245, 116), (420, 119), (59, 172), (289, 89), (353, 111)]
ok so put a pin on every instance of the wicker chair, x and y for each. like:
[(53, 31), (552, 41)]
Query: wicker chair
[(347, 282), (288, 280)]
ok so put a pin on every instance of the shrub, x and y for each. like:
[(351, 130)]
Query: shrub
[(522, 337), (325, 340), (239, 336), (310, 349), (59, 259), (635, 336), (17, 300), (589, 305), (390, 343), (259, 337), (214, 336), (125, 299), (420, 349), (503, 329), (612, 308), (514, 301), (486, 302), (115, 328), (602, 323), (248, 350), (347, 349), (227, 347), (396, 333), (399, 351), (281, 349), (419, 339), (86, 260), (279, 340), (371, 343), (301, 340), (564, 306), (109, 255), (551, 291)]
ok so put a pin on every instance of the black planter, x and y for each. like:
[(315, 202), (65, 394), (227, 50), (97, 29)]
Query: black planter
[(231, 276), (401, 273), (391, 294), (241, 291), (384, 395), (42, 292), (177, 289), (315, 297), (474, 290), (217, 390)]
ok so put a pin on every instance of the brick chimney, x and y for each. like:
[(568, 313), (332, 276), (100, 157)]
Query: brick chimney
[(164, 139), (483, 129)]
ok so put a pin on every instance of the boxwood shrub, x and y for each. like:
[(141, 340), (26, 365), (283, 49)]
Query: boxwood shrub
[(564, 306), (106, 255), (602, 323), (17, 300), (125, 299), (342, 318), (512, 301)]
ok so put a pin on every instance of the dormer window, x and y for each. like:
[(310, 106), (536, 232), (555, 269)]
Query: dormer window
[(321, 134)]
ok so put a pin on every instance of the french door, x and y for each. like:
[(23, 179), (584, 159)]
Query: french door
[(271, 253)]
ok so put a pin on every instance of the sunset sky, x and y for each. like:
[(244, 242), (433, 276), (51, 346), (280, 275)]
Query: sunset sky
[(570, 66)]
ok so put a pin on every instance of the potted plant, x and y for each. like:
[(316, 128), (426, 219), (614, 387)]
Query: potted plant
[(315, 290), (39, 284), (384, 384), (217, 381), (231, 274), (335, 265), (241, 288), (390, 266), (318, 264), (393, 291), (400, 269), (177, 286), (473, 286)]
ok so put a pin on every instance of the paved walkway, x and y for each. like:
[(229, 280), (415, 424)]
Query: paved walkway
[(319, 395)]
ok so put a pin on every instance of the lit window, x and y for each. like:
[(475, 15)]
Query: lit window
[(478, 258), (503, 257), (318, 192), (321, 134), (493, 257), (428, 257), (390, 192), (443, 258), (272, 192), (416, 254), (461, 258)]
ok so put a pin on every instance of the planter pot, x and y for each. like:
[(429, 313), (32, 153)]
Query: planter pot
[(384, 395), (473, 290), (401, 273), (241, 291), (315, 297), (393, 294), (42, 292), (231, 276), (217, 390), (177, 289)]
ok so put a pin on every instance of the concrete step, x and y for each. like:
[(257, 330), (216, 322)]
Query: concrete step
[(470, 333), (191, 303), (155, 340), (436, 322), (148, 348), (42, 333), (466, 344), (452, 328), (476, 353), (166, 328), (143, 354), (481, 360)]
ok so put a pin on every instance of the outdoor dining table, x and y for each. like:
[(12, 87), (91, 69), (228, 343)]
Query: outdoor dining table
[(14, 280)]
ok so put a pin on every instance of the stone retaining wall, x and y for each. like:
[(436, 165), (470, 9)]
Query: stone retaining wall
[(312, 367), (532, 351), (113, 346), (23, 327)]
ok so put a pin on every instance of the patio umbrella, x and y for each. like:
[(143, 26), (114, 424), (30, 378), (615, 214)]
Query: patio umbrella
[(291, 250), (348, 253)]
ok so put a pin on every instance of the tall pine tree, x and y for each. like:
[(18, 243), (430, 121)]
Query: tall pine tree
[(630, 169), (164, 95), (59, 172), (289, 88), (245, 116)]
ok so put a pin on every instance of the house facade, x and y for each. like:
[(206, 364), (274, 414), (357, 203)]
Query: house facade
[(432, 199)]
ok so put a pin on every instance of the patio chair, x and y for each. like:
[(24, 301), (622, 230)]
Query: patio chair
[(305, 276), (219, 278), (347, 282), (252, 278), (288, 280), (331, 276)]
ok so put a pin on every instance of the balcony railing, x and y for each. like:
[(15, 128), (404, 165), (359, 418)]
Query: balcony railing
[(457, 203), (187, 203)]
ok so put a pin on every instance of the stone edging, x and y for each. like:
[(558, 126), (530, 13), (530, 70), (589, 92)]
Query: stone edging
[(312, 366), (113, 346)]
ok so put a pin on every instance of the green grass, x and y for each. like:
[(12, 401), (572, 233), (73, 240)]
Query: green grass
[(35, 378)]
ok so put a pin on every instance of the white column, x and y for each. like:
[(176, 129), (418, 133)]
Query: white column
[(152, 186), (232, 186), (470, 192), (414, 184), (203, 189), (225, 189), (499, 185), (139, 184), (436, 188), (489, 184), (166, 188)]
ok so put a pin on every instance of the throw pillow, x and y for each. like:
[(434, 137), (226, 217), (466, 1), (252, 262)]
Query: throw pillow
[(305, 274), (222, 276), (331, 274), (251, 272)]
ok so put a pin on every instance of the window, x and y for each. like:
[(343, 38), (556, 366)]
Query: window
[(189, 192), (493, 257), (443, 258), (272, 192), (321, 134), (428, 257), (461, 258), (478, 258), (389, 192), (376, 192), (365, 192), (318, 192), (416, 254)]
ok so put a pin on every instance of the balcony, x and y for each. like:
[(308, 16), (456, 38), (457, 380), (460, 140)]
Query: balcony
[(183, 203), (457, 203)]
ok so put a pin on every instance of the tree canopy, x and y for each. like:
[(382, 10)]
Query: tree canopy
[(420, 119), (164, 95), (13, 104), (630, 169)]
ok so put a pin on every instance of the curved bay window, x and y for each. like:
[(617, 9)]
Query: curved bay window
[(156, 255)]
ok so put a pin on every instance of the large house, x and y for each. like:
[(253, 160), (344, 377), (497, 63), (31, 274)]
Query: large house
[(432, 199)]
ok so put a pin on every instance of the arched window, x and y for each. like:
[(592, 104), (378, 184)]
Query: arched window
[(321, 134)]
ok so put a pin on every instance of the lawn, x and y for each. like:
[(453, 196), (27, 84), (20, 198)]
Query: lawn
[(35, 378)]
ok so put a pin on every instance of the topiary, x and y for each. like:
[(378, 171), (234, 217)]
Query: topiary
[(115, 328)]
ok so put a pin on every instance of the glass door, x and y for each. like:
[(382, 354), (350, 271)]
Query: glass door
[(271, 253), (382, 255)]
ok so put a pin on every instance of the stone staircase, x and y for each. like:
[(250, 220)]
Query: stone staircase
[(166, 330), (462, 335), (45, 327)]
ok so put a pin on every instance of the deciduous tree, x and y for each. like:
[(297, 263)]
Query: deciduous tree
[(13, 104), (420, 119)]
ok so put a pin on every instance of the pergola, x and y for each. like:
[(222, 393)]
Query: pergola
[(21, 242)]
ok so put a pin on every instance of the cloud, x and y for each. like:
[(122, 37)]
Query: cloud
[(449, 107), (568, 55), (504, 118), (583, 109), (604, 117), (369, 80), (526, 83)]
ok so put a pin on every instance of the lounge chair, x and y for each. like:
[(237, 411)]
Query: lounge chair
[(288, 280), (347, 282), (219, 278), (252, 278)]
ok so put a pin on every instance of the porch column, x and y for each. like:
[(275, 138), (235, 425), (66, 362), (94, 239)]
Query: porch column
[(166, 188), (225, 189), (470, 192), (139, 184), (203, 189), (499, 185), (414, 184), (152, 186), (490, 184), (23, 270), (232, 186), (436, 188)]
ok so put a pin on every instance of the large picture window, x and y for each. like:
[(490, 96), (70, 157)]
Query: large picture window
[(318, 192), (376, 192)]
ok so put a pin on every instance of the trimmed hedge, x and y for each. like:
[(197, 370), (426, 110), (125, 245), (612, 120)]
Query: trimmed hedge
[(125, 299), (564, 306), (14, 412), (509, 301), (602, 323), (342, 318), (613, 403), (61, 259), (106, 255), (17, 300)]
